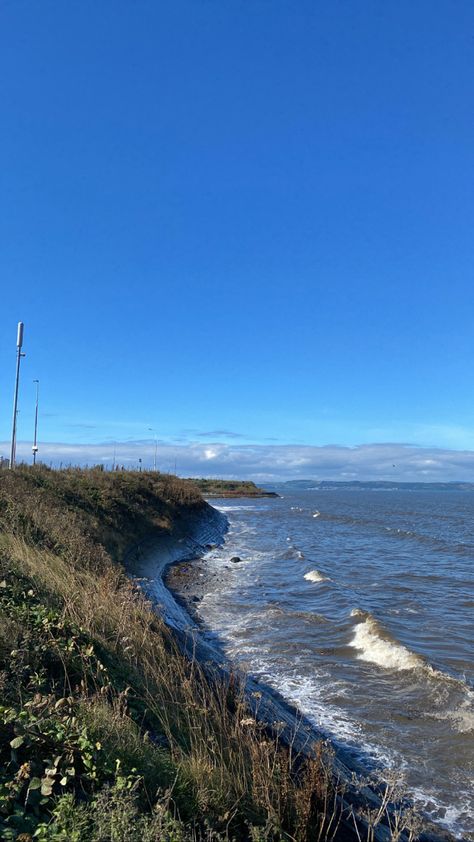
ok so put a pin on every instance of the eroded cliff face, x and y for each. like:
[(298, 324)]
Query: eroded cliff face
[(194, 532)]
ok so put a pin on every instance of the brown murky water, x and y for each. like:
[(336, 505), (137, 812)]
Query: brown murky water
[(358, 606)]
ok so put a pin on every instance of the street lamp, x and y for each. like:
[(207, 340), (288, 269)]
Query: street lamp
[(35, 440), (156, 446), (19, 355)]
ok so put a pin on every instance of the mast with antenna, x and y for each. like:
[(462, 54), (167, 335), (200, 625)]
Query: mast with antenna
[(35, 441), (19, 355)]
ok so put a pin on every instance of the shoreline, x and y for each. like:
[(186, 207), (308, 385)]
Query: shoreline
[(173, 575), (239, 495)]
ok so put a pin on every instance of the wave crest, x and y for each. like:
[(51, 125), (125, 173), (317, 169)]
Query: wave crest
[(315, 576), (371, 640)]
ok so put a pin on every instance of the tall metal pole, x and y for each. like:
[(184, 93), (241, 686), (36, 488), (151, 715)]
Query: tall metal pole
[(156, 446), (16, 425), (35, 441), (19, 355)]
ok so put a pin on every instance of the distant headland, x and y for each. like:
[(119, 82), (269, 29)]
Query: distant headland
[(369, 485), (230, 488)]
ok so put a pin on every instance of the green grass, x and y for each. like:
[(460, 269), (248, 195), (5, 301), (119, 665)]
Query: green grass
[(107, 731), (227, 488)]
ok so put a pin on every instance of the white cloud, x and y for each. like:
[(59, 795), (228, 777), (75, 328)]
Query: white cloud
[(210, 452), (265, 463)]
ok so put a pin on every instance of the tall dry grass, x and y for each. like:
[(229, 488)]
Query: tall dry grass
[(65, 531)]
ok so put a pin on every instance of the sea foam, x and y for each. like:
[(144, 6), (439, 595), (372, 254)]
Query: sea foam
[(315, 576), (461, 717), (369, 640)]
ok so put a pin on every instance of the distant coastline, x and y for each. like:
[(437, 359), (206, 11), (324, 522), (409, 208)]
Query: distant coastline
[(368, 485)]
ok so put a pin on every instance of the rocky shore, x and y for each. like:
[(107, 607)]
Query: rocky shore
[(176, 576)]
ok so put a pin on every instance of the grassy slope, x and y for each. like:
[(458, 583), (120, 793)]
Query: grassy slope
[(106, 731)]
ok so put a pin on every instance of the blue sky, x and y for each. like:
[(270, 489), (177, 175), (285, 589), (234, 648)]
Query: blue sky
[(239, 222)]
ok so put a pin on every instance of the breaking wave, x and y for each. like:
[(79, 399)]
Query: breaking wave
[(374, 645), (316, 576), (407, 564)]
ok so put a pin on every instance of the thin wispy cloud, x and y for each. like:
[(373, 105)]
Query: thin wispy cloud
[(267, 463), (208, 434), (228, 434)]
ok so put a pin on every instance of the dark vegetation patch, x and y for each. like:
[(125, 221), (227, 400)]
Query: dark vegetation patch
[(229, 488)]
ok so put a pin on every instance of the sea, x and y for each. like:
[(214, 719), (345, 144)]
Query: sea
[(357, 606)]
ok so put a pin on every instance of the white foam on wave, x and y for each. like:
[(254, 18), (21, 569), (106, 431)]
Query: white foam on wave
[(371, 640), (451, 816), (376, 649), (308, 693), (462, 717), (315, 576)]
